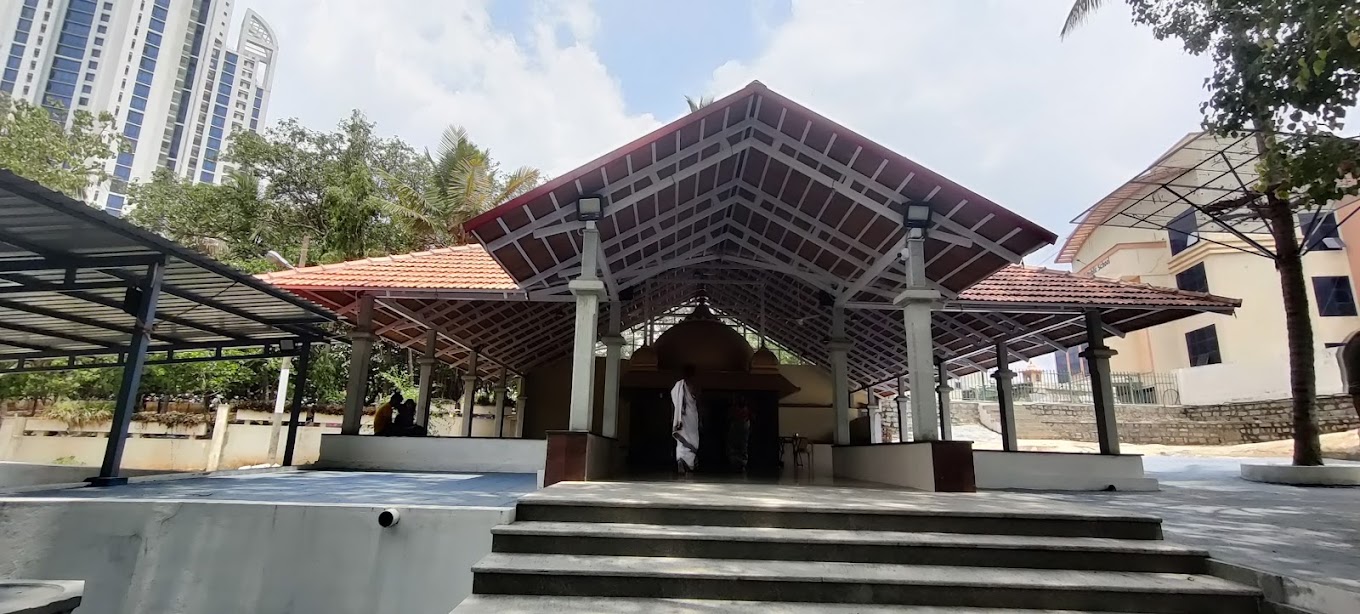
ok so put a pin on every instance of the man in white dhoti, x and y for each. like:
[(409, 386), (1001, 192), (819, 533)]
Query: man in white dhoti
[(686, 422)]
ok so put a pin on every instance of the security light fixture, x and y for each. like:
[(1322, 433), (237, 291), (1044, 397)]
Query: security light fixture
[(287, 345), (589, 208), (917, 216)]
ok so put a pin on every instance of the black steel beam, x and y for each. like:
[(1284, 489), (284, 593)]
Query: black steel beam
[(299, 391), (23, 366), (34, 286), (34, 330), (52, 313), (129, 394), (56, 263)]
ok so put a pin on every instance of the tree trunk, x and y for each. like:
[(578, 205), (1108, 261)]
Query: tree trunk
[(1299, 326)]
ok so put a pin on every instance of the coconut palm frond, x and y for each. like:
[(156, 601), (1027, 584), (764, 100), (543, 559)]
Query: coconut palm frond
[(698, 103), (1081, 11), (524, 178)]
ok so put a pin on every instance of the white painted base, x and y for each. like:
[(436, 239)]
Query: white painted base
[(1059, 471), (443, 454), (912, 466), (1326, 475), (206, 558)]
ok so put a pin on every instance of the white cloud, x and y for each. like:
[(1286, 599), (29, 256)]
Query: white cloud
[(987, 94), (544, 99)]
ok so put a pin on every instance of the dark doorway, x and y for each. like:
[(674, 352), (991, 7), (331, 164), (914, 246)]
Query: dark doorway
[(651, 449)]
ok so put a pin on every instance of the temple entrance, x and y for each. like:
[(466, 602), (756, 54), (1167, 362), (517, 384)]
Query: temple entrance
[(651, 448), (734, 383)]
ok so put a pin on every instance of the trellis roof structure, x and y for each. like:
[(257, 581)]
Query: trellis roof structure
[(772, 212), (1039, 310)]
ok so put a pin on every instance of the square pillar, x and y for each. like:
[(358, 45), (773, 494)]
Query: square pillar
[(469, 395), (1005, 398), (521, 403), (129, 399), (280, 401), (361, 351), (942, 391), (904, 425), (500, 402), (588, 290), (426, 362), (839, 350), (1098, 356), (613, 345), (917, 303)]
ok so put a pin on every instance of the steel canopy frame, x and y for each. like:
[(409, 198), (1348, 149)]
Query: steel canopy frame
[(78, 285)]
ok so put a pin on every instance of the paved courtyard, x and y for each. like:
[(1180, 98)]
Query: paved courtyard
[(323, 487)]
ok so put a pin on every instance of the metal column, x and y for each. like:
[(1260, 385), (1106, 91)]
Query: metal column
[(299, 392), (1005, 398), (144, 309), (1097, 356)]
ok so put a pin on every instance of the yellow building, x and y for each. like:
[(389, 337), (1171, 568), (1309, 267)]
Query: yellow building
[(1217, 358)]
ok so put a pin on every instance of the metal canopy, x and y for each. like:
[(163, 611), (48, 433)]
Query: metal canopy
[(758, 179), (68, 279), (1205, 187)]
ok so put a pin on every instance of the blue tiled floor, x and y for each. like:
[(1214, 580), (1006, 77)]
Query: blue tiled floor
[(334, 487)]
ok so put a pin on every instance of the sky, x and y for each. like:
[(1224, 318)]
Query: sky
[(981, 91)]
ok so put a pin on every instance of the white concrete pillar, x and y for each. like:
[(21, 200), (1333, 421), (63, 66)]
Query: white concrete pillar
[(469, 394), (588, 290), (904, 420), (361, 351), (613, 354), (839, 349), (875, 423), (500, 402), (521, 403), (942, 391), (280, 400), (426, 362), (917, 303)]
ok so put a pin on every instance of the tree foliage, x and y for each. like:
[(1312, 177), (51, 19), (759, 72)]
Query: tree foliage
[(464, 181), (69, 160), (1286, 73)]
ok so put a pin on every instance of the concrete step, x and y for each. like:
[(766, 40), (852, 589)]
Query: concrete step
[(927, 520), (765, 543), (510, 604), (858, 583)]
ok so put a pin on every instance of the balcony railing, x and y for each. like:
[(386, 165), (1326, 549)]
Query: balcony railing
[(1054, 387)]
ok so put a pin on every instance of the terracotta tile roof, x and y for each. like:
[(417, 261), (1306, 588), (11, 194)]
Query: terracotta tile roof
[(1021, 284), (465, 267)]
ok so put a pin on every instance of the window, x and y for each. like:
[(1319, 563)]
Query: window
[(1193, 279), (1202, 344), (1319, 231), (1334, 296), (1182, 231)]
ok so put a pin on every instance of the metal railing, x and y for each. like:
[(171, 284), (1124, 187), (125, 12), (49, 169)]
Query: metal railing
[(1054, 387)]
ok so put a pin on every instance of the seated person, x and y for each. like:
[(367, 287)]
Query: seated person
[(404, 425), (382, 420)]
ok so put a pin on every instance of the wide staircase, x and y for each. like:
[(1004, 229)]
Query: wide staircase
[(669, 548)]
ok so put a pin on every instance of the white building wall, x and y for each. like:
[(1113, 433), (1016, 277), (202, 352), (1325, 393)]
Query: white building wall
[(121, 43)]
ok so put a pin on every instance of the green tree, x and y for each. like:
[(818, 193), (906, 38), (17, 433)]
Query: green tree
[(329, 186), (1285, 72), (464, 181), (230, 222), (69, 160)]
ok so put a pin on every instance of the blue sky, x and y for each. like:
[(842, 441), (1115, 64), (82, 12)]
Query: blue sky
[(981, 91)]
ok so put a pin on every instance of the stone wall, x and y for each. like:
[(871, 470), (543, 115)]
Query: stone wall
[(1226, 424)]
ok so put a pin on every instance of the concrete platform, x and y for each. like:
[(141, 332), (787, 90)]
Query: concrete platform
[(512, 604), (1326, 475), (318, 487)]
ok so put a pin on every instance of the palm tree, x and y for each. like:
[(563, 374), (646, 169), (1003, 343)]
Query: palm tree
[(1081, 11), (464, 182), (698, 103)]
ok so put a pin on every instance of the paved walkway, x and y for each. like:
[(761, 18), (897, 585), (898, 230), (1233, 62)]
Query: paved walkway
[(1307, 533), (323, 487)]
